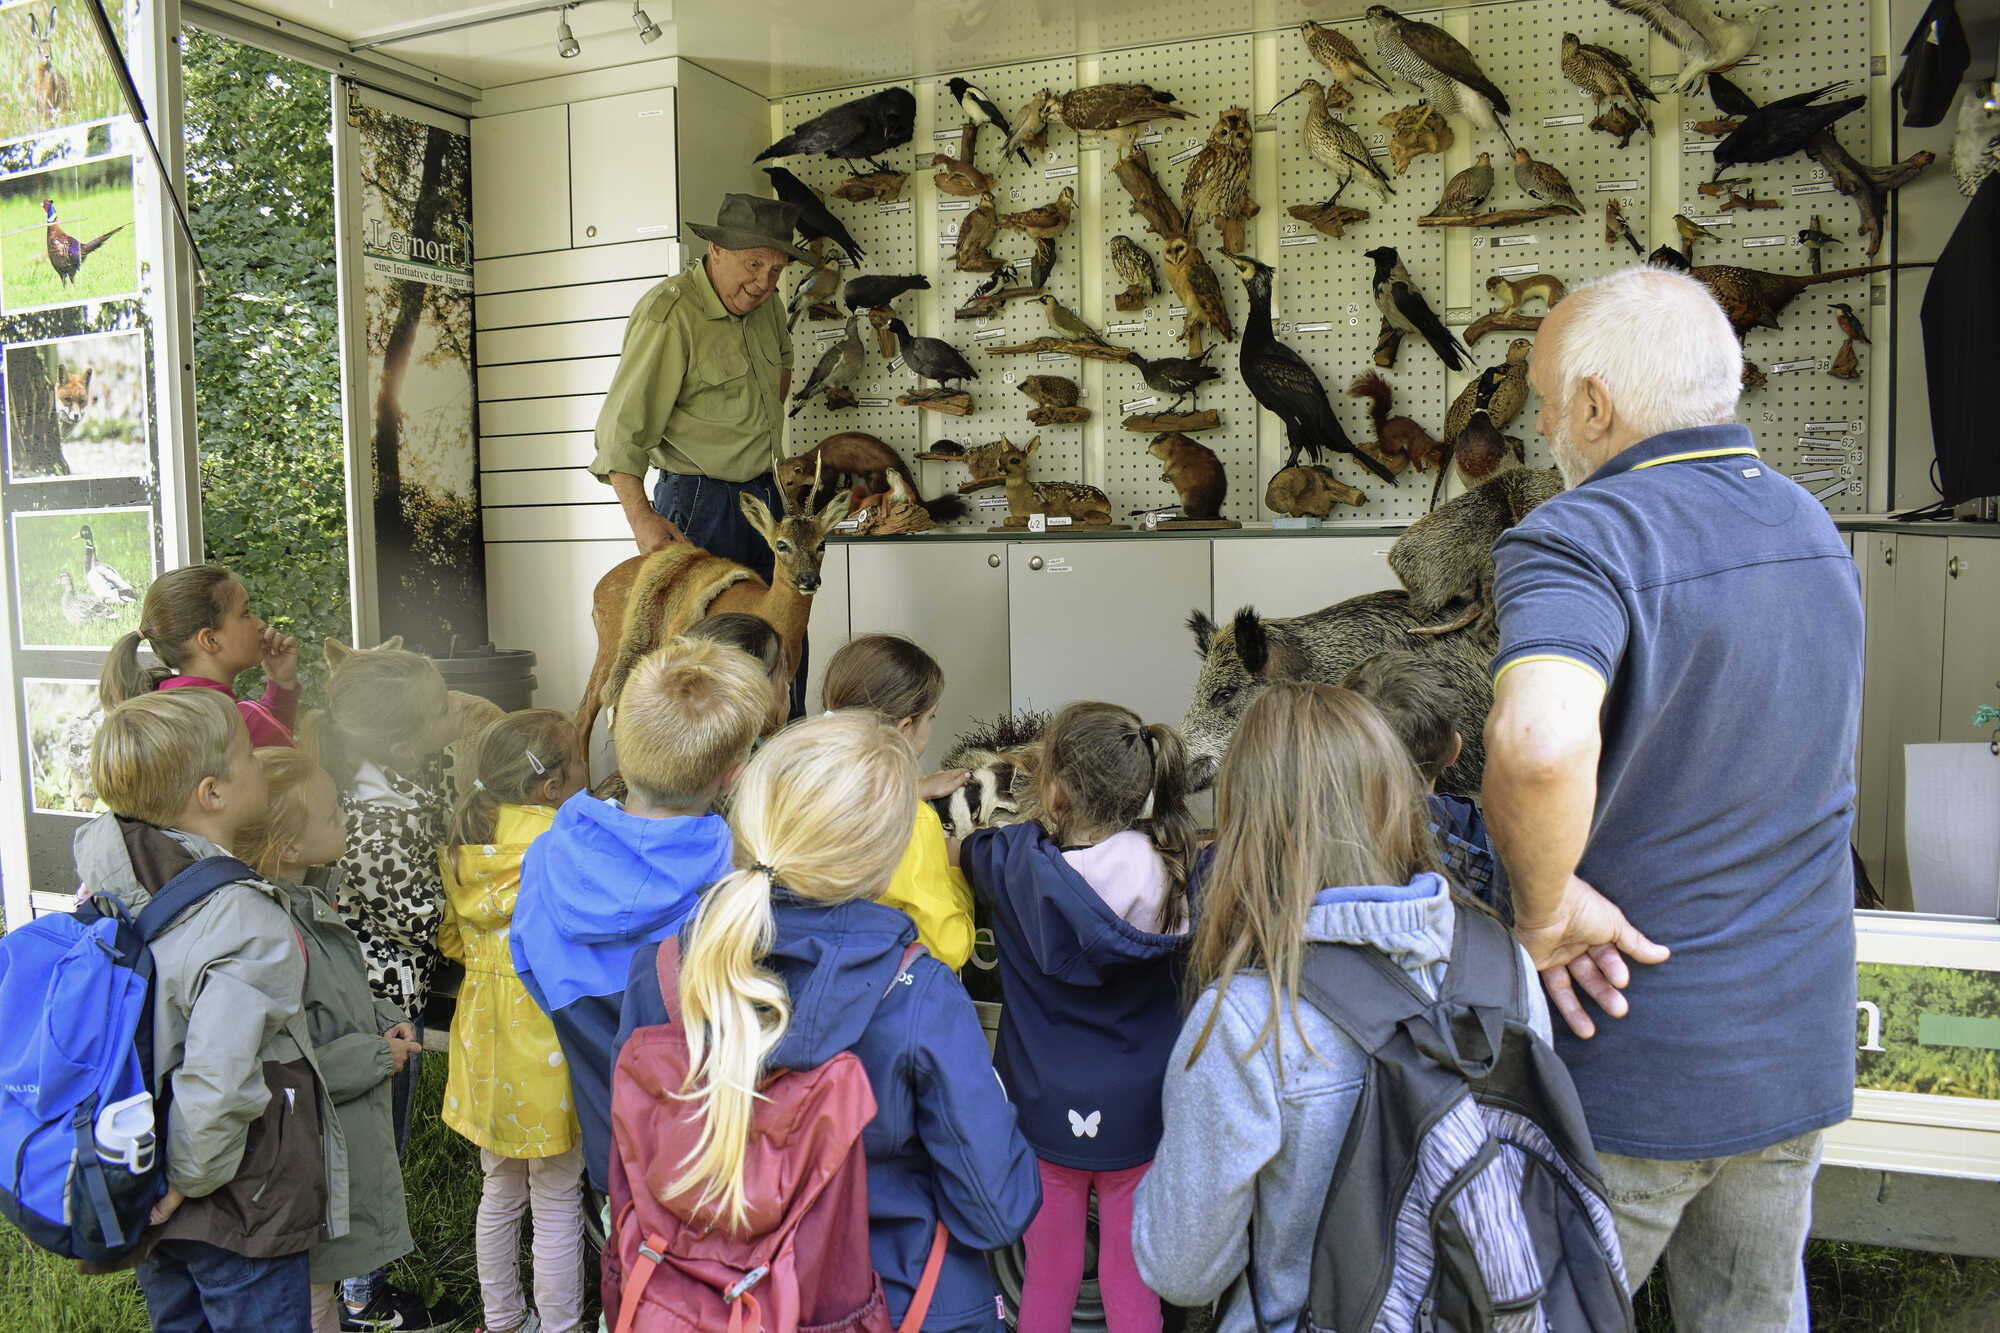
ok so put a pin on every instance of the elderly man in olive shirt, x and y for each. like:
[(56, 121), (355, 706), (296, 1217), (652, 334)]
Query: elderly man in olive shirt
[(700, 389)]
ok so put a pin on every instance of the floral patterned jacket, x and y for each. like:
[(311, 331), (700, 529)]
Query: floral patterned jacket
[(393, 899)]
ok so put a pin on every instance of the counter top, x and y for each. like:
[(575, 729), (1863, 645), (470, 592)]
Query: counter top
[(1351, 528)]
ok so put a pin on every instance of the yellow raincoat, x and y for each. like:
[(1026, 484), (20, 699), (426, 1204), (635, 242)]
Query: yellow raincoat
[(928, 887), (508, 1090)]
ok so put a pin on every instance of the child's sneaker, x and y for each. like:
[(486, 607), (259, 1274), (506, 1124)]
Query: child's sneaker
[(392, 1311), (533, 1325)]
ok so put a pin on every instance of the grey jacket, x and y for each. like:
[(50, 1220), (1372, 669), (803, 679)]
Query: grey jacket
[(1250, 1146), (347, 1022), (226, 1014)]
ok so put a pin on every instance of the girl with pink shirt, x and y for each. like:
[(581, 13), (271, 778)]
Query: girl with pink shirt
[(198, 622)]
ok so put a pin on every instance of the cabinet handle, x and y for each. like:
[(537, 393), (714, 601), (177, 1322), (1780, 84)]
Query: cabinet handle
[(1034, 562), (993, 562), (1888, 555), (590, 231), (1954, 565)]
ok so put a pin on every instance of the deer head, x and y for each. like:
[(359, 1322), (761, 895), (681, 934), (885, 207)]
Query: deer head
[(1014, 460), (796, 538)]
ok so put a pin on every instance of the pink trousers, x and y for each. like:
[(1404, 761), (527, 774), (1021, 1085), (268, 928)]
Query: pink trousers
[(552, 1187), (1055, 1242)]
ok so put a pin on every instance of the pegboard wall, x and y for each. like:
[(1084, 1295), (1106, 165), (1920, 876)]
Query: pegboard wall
[(1810, 424)]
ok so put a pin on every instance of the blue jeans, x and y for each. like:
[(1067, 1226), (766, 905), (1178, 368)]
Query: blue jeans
[(709, 513), (195, 1288)]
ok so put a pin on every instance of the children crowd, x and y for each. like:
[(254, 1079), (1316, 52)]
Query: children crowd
[(774, 898)]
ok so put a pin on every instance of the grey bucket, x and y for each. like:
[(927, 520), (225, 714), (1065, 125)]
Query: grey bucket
[(506, 676)]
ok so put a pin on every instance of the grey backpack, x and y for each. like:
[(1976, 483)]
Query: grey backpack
[(1466, 1197)]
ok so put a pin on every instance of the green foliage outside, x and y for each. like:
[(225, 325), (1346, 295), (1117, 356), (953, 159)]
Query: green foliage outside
[(76, 64), (46, 546), (267, 339), (1905, 995), (91, 200)]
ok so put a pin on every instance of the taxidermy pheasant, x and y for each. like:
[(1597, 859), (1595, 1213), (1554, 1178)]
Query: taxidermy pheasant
[(66, 253)]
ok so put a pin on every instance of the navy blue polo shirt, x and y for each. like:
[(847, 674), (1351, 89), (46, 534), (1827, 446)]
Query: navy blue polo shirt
[(1721, 609)]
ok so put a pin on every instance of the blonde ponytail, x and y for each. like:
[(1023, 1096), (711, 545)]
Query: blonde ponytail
[(823, 812)]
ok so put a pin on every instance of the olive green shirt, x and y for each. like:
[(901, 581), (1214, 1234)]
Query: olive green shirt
[(697, 389)]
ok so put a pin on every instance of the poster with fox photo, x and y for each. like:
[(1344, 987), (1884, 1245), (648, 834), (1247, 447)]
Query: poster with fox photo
[(76, 407), (80, 574), (62, 718), (66, 235), (55, 73)]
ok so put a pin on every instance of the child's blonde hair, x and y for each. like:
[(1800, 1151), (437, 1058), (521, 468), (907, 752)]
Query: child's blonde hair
[(824, 811), (179, 604), (885, 672), (1315, 791), (152, 751), (687, 713), (287, 774), (375, 713), (511, 758), (1115, 773)]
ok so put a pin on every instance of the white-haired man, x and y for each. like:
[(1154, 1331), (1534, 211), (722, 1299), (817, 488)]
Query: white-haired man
[(1670, 758)]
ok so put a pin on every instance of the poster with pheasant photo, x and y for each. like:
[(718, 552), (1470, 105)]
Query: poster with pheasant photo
[(66, 235), (76, 407), (80, 574), (415, 233), (55, 72), (62, 722)]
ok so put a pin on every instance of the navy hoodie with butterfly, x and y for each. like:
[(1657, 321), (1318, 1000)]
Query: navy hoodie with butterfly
[(1092, 1000), (943, 1146)]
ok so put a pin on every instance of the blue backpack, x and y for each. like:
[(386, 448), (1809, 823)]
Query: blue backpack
[(80, 1166)]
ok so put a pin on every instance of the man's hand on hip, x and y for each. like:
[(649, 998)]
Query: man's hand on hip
[(1582, 942), (652, 531)]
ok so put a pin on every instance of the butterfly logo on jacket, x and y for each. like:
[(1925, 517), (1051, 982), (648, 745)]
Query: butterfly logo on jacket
[(1084, 1127)]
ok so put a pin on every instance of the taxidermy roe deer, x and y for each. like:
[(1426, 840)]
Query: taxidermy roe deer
[(645, 601)]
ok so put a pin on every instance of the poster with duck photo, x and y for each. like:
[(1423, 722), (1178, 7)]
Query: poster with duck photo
[(76, 407), (66, 235), (62, 722), (55, 72), (80, 574)]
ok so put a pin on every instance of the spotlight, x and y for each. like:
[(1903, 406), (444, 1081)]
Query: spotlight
[(566, 43), (649, 31)]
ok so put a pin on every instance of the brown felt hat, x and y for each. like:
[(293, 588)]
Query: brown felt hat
[(746, 222)]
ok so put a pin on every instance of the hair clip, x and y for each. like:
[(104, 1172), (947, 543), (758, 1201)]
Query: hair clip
[(477, 785), (767, 872), (541, 770)]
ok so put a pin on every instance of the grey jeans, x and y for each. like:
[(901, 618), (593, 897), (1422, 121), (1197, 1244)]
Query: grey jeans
[(1732, 1229)]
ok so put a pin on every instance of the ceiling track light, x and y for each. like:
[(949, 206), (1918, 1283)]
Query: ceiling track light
[(649, 31), (566, 44)]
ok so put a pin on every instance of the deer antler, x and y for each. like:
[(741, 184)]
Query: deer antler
[(784, 492)]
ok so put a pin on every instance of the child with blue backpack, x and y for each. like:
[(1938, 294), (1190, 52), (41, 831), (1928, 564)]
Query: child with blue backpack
[(256, 1169), (1090, 921), (1323, 838)]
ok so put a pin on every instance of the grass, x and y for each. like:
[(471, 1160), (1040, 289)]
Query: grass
[(1855, 1288), (46, 545), (73, 54), (26, 280)]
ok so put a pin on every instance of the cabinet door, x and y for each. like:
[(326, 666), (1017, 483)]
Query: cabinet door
[(951, 598), (1875, 555), (507, 151), (829, 627), (1904, 640), (1291, 576), (622, 180), (1971, 674), (1106, 620)]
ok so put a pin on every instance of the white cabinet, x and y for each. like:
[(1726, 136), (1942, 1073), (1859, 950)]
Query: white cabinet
[(951, 599), (828, 628), (1971, 674), (622, 174), (1104, 619), (1290, 578), (547, 607), (511, 216)]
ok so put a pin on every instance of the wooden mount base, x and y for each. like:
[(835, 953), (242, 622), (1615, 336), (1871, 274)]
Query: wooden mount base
[(951, 402), (824, 312), (1328, 219), (1196, 524), (980, 307), (1499, 323), (1149, 201), (1387, 341), (1505, 217), (838, 397), (979, 483), (1067, 346), (1187, 423), (884, 187), (1132, 298), (1059, 416), (1868, 187)]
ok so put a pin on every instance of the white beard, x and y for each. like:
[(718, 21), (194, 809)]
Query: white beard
[(1575, 468)]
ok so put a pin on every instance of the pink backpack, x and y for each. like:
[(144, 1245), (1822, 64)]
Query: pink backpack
[(802, 1259)]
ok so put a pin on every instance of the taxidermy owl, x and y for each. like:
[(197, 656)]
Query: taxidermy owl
[(1218, 180)]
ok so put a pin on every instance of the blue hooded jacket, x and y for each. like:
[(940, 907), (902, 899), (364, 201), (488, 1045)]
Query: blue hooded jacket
[(594, 888), (943, 1145), (1092, 1004)]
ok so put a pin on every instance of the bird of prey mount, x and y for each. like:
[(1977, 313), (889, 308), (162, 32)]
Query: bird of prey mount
[(1438, 65), (1707, 41)]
